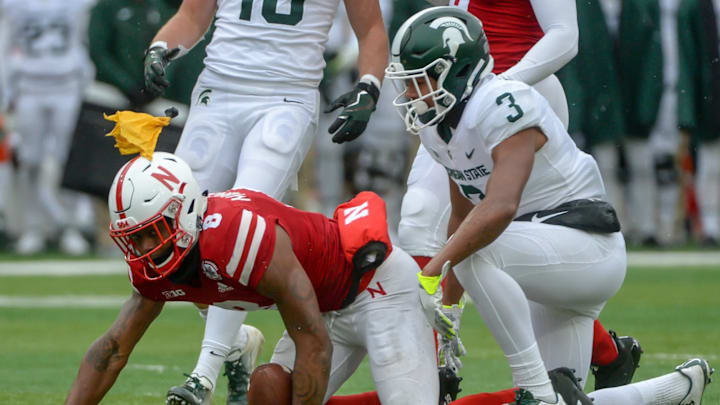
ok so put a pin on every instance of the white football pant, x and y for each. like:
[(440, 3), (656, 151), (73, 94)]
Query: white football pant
[(385, 322)]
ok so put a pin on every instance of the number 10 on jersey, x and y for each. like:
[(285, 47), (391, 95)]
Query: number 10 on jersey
[(270, 14)]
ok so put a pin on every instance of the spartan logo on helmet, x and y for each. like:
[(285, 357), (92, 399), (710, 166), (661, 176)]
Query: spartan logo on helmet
[(454, 33)]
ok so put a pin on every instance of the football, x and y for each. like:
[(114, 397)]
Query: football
[(270, 384)]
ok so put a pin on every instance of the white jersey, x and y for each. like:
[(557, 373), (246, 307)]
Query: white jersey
[(270, 41), (497, 110), (47, 38)]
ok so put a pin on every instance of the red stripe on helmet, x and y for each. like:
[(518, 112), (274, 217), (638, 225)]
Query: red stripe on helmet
[(118, 191)]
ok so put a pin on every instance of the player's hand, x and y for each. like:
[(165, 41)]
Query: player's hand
[(431, 301), (358, 104), (451, 349), (156, 61)]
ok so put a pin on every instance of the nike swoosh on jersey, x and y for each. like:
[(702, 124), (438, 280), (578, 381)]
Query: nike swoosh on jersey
[(536, 218), (469, 155), (287, 100)]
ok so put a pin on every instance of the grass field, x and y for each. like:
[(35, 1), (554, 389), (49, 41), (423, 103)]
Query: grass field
[(674, 312)]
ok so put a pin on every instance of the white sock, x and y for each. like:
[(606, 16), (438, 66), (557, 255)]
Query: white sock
[(668, 389), (528, 372), (221, 330), (239, 344)]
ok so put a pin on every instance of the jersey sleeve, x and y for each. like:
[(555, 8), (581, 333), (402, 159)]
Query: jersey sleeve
[(507, 110), (559, 44), (250, 247)]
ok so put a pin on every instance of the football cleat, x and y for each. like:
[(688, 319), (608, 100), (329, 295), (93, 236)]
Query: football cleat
[(698, 372), (240, 365), (621, 371), (449, 385), (567, 390), (192, 392)]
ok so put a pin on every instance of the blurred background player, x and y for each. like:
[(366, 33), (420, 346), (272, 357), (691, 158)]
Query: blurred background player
[(592, 86), (649, 67), (49, 68), (539, 39), (699, 104), (253, 116)]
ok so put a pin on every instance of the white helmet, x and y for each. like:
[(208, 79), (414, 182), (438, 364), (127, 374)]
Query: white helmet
[(162, 194)]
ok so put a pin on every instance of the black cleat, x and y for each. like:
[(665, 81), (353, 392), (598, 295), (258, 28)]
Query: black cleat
[(621, 371), (566, 387), (449, 385), (192, 392)]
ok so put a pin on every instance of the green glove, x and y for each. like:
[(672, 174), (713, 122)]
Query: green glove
[(157, 59), (358, 104)]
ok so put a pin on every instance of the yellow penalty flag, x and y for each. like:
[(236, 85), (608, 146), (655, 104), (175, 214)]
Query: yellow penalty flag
[(136, 132)]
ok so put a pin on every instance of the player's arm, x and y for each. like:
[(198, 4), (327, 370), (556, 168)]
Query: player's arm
[(107, 356), (367, 23), (513, 160), (460, 208), (558, 20), (187, 27), (287, 284), (359, 103)]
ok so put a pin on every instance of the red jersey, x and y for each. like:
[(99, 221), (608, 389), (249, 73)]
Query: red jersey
[(510, 26), (236, 245)]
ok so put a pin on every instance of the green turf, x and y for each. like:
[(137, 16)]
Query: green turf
[(673, 312)]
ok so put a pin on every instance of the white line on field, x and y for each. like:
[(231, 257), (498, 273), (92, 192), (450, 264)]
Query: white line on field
[(117, 266), (65, 301), (62, 267), (679, 356)]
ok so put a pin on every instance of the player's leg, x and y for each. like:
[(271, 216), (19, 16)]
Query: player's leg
[(211, 142), (641, 187), (399, 340), (64, 110), (684, 386), (31, 122), (536, 262), (708, 189), (277, 143)]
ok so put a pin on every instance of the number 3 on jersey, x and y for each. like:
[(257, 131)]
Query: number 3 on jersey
[(270, 13), (518, 111)]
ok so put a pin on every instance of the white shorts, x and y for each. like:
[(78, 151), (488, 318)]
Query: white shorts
[(235, 140), (426, 205), (385, 322)]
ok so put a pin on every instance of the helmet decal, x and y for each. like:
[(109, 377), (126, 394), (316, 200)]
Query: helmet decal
[(454, 34), (165, 177)]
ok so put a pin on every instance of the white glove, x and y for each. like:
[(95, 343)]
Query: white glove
[(450, 350), (431, 301)]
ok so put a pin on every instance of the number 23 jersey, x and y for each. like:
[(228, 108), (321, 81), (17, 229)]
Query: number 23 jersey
[(497, 110), (275, 41)]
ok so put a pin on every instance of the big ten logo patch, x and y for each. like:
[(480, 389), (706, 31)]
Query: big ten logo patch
[(353, 213), (170, 294), (211, 221)]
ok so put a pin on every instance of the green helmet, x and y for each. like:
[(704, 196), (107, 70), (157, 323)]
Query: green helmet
[(446, 44)]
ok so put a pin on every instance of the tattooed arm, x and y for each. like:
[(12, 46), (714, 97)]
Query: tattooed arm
[(109, 354), (287, 284)]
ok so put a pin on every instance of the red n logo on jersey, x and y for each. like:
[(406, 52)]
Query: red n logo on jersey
[(379, 291), (165, 178)]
